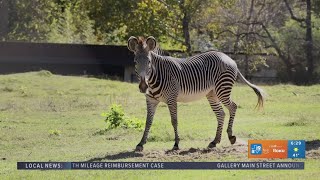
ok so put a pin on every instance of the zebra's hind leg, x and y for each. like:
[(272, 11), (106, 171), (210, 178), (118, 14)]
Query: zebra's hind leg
[(218, 110), (172, 105), (151, 108), (232, 107)]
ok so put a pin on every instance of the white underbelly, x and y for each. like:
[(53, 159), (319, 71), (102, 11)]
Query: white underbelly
[(192, 97)]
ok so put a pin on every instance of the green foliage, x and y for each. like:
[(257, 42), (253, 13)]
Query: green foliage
[(290, 39), (116, 118), (213, 24), (149, 18), (133, 123), (29, 20), (54, 132), (73, 25), (52, 21), (44, 73)]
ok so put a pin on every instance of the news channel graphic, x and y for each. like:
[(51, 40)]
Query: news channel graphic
[(276, 149), (160, 165)]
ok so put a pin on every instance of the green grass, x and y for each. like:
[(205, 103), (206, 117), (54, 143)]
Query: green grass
[(45, 117)]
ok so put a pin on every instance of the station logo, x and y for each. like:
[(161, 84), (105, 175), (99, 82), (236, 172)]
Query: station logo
[(256, 149)]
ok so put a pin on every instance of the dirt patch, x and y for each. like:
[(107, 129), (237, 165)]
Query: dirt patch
[(313, 149), (313, 154), (313, 145), (237, 151)]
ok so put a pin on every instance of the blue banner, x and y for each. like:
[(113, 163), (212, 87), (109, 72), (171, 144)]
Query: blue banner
[(296, 149), (158, 165)]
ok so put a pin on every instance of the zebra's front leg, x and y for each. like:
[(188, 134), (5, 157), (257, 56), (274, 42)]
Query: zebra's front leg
[(151, 109), (218, 110), (172, 105)]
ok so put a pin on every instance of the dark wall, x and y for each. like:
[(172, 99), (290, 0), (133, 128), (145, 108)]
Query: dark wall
[(66, 59), (65, 69)]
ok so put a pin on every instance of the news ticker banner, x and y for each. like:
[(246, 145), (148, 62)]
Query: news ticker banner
[(160, 165), (276, 149)]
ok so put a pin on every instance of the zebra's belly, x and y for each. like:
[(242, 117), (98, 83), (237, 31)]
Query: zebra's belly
[(192, 97)]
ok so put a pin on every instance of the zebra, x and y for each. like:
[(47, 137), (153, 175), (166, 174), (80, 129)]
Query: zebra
[(171, 80)]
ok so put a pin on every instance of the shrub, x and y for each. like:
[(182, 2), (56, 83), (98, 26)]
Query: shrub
[(23, 90), (54, 133), (134, 123), (7, 89), (44, 73), (116, 118)]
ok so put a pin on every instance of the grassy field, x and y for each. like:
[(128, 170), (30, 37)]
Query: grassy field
[(46, 117)]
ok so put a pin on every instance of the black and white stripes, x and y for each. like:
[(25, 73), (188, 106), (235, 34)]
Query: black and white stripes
[(171, 80)]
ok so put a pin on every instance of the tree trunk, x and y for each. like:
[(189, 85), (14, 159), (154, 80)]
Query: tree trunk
[(4, 21), (309, 42), (246, 67), (185, 26), (285, 60), (186, 33), (248, 41)]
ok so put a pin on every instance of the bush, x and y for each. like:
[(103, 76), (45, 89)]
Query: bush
[(116, 118), (45, 73), (54, 133), (133, 123)]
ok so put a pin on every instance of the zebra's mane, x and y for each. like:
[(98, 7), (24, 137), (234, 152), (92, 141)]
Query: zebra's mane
[(160, 52)]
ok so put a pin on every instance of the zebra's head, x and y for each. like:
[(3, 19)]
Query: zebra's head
[(142, 48)]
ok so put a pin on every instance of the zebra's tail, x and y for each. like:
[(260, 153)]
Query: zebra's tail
[(260, 93)]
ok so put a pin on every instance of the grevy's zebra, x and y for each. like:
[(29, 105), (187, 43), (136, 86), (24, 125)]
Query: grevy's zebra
[(171, 80)]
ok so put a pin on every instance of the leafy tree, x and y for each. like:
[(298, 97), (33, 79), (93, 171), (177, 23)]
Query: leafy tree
[(232, 28), (29, 19), (256, 24), (73, 25), (182, 14), (307, 24), (290, 30)]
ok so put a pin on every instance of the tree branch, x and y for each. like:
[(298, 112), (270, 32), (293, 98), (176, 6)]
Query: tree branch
[(169, 7), (251, 33), (175, 38), (275, 46), (291, 13)]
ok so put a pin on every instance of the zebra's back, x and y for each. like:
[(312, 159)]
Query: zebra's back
[(199, 74)]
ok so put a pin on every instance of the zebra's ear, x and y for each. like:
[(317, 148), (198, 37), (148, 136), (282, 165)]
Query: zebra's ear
[(151, 43), (132, 43)]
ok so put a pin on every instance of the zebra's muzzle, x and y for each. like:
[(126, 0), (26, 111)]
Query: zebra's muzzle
[(143, 86)]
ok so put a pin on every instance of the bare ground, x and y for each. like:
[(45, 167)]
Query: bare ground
[(313, 149), (237, 151)]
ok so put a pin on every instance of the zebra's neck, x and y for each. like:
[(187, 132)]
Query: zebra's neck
[(160, 52), (155, 73)]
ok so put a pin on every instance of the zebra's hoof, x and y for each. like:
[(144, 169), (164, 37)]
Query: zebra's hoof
[(175, 148), (212, 145), (232, 139), (139, 148)]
